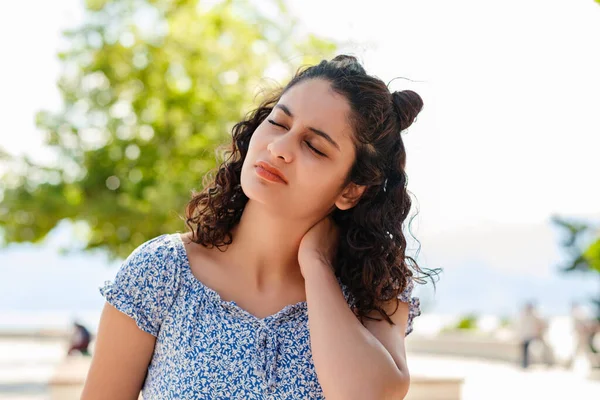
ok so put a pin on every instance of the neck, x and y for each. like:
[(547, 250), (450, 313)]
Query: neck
[(265, 245)]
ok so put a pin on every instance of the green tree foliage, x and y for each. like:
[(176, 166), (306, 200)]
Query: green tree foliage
[(150, 89), (468, 323), (582, 245)]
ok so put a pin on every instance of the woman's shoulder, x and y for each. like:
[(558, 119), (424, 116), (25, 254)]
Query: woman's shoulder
[(158, 247), (404, 296), (147, 282), (160, 251), (156, 264), (153, 253)]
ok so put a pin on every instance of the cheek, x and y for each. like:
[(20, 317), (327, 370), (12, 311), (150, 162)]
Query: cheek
[(321, 184), (256, 144), (259, 140)]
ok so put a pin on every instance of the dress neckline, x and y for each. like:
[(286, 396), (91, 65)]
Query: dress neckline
[(287, 311)]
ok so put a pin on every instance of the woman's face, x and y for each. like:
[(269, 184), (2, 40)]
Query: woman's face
[(308, 141)]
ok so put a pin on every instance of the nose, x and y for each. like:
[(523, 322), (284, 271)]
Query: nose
[(282, 147)]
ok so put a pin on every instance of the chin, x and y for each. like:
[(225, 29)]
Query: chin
[(257, 191), (251, 185), (262, 193)]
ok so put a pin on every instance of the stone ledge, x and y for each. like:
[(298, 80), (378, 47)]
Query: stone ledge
[(69, 377), (422, 388)]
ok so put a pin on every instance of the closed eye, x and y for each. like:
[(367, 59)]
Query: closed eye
[(313, 149), (276, 124), (310, 146)]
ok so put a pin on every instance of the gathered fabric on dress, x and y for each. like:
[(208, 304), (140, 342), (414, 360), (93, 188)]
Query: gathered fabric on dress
[(208, 348)]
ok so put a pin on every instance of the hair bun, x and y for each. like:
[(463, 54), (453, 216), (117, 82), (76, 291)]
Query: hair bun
[(351, 63), (407, 105)]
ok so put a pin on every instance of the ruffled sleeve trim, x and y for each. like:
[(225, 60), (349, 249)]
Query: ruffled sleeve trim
[(414, 305), (125, 303), (146, 284)]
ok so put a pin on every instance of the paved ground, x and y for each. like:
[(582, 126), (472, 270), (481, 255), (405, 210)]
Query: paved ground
[(485, 380), (26, 366)]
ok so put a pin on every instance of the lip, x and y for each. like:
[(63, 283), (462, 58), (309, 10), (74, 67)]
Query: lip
[(271, 169)]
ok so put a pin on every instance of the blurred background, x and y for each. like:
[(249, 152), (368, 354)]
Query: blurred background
[(112, 111)]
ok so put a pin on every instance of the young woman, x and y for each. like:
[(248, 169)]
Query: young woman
[(293, 282)]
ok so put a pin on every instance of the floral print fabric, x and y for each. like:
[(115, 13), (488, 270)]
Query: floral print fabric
[(208, 348)]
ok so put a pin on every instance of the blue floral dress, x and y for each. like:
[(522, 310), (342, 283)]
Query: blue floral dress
[(208, 348)]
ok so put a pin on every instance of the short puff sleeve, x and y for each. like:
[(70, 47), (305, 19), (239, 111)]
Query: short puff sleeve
[(414, 304), (146, 284)]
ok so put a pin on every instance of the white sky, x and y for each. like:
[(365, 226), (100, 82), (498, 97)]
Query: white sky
[(511, 127)]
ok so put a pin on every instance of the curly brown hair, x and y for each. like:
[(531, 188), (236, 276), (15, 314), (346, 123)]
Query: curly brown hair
[(371, 259)]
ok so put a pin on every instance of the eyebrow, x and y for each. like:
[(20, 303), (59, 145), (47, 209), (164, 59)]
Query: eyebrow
[(325, 136)]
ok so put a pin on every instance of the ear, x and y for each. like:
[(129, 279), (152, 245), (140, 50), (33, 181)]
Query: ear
[(350, 196)]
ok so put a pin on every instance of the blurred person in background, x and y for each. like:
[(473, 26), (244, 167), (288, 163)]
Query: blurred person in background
[(80, 340), (584, 330), (301, 225), (531, 329)]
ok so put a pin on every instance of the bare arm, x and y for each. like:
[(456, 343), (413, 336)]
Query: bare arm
[(121, 358), (353, 361)]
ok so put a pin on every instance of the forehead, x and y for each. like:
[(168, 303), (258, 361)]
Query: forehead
[(314, 104)]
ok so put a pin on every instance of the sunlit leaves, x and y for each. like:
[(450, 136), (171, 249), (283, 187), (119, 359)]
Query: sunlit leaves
[(149, 88)]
